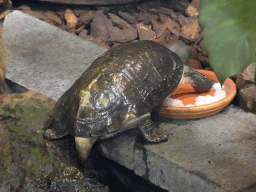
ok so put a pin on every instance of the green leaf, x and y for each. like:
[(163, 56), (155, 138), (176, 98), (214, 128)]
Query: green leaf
[(229, 31)]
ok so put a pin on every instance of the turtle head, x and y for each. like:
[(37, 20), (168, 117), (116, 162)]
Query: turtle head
[(199, 82), (180, 49)]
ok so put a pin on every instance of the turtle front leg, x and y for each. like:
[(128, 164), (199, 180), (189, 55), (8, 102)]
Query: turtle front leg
[(84, 145), (152, 132)]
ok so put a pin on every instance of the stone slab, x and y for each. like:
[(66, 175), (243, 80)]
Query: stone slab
[(45, 58), (213, 154)]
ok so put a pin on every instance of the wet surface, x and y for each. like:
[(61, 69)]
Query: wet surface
[(32, 163)]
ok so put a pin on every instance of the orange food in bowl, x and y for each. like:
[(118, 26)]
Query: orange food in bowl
[(187, 95)]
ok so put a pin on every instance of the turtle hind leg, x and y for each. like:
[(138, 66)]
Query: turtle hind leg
[(199, 82), (152, 132), (83, 146), (51, 132)]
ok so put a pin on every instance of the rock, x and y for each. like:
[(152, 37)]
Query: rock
[(168, 12), (53, 18), (101, 26), (89, 37), (193, 51), (29, 162), (4, 54), (69, 29), (247, 98), (194, 63), (116, 44), (79, 11), (171, 25), (193, 8), (92, 2), (23, 8), (158, 28), (70, 18), (72, 30), (199, 39), (81, 28), (154, 10), (170, 37), (144, 17), (118, 21), (163, 39), (104, 45), (95, 40), (191, 32), (245, 82), (204, 60), (182, 20), (132, 182), (38, 14), (105, 9), (198, 48), (179, 5), (192, 19), (247, 76), (128, 17), (148, 5), (101, 21), (85, 18), (123, 35), (83, 34), (191, 11), (204, 53), (144, 32)]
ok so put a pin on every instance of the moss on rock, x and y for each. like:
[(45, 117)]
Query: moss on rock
[(29, 162)]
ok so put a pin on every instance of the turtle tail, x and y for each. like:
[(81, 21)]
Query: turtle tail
[(199, 82)]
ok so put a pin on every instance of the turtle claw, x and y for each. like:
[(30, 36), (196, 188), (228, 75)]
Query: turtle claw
[(153, 133)]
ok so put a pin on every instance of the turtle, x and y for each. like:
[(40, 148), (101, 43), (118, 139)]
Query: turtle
[(118, 91)]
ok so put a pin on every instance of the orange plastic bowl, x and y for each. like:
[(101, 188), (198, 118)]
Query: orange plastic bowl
[(187, 95)]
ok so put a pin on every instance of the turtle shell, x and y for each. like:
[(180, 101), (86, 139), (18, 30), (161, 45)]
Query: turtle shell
[(125, 82)]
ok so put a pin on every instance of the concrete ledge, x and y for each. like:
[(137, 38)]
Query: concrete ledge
[(43, 57), (216, 153)]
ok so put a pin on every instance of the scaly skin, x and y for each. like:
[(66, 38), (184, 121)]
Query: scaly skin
[(4, 10)]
